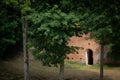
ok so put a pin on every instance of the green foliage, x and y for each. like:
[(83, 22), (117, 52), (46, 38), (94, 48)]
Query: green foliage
[(103, 22), (25, 6), (10, 30), (10, 22), (101, 18), (50, 32)]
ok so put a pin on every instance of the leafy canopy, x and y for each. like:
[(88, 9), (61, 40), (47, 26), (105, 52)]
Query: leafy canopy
[(50, 31), (10, 31)]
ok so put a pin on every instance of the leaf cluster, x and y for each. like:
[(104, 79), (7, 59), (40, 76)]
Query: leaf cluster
[(50, 32)]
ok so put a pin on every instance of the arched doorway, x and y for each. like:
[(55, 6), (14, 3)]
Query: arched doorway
[(89, 57)]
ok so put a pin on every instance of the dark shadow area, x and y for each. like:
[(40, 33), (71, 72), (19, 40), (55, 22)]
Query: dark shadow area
[(12, 51), (90, 56), (112, 65)]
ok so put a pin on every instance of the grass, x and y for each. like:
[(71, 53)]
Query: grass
[(78, 65), (13, 70)]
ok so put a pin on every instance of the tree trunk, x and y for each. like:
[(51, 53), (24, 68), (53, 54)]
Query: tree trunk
[(61, 75), (25, 52), (101, 62)]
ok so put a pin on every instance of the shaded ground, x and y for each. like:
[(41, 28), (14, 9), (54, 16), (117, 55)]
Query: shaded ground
[(13, 70)]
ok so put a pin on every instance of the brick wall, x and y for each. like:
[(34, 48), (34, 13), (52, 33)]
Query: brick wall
[(85, 44)]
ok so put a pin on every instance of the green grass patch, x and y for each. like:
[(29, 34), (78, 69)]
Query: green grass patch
[(78, 65)]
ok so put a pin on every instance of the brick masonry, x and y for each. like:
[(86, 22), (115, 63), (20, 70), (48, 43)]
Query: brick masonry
[(85, 44)]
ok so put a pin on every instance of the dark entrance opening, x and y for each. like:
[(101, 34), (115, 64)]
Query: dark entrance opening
[(90, 56)]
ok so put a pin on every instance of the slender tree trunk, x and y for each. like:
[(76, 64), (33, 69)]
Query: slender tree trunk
[(61, 76), (25, 50), (101, 62)]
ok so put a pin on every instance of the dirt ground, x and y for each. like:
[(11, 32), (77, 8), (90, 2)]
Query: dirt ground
[(13, 70)]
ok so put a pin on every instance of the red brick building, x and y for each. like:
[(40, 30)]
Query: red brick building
[(90, 54)]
